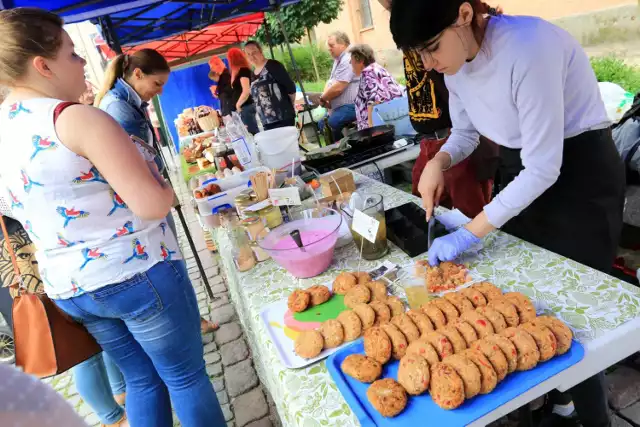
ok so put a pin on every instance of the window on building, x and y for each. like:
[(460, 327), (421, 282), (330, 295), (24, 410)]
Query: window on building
[(365, 14)]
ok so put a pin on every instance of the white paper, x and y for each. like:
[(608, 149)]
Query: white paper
[(260, 205), (453, 219), (365, 225), (288, 196)]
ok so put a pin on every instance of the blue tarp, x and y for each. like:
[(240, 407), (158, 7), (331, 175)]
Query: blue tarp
[(139, 21)]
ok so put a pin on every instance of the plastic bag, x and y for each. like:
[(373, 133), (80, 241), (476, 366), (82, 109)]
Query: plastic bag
[(616, 100)]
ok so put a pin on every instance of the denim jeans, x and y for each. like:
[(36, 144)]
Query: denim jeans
[(97, 380), (339, 118), (150, 326), (248, 116)]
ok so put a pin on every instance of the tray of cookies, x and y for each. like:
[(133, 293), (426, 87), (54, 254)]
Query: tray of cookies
[(452, 361)]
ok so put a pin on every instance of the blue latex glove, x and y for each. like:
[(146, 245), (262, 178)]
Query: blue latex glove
[(447, 248)]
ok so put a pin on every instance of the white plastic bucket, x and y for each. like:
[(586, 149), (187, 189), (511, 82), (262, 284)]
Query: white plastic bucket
[(279, 149)]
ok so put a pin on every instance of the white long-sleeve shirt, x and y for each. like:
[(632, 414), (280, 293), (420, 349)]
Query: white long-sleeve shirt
[(530, 87)]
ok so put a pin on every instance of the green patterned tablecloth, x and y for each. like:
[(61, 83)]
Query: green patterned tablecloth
[(591, 302)]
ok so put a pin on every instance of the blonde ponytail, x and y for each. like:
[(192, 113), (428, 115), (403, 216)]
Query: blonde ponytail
[(114, 71)]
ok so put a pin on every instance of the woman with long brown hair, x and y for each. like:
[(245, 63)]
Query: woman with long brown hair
[(241, 77), (96, 211)]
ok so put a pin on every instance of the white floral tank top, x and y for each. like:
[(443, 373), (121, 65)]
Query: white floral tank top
[(85, 235)]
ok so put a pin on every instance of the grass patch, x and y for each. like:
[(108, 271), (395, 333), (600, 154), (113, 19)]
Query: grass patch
[(615, 70), (314, 86)]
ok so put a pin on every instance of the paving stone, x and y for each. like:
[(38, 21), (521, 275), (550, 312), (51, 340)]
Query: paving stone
[(250, 406), (616, 421), (224, 314), (234, 352), (212, 346), (213, 271), (228, 333), (215, 281), (214, 370), (632, 412), (624, 387), (226, 411), (218, 385), (92, 419), (218, 289), (223, 397), (206, 339), (231, 424), (265, 422), (212, 358), (240, 378), (222, 300), (204, 310)]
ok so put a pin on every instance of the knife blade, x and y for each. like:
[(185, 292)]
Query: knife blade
[(430, 235)]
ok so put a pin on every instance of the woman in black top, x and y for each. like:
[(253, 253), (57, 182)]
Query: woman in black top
[(272, 89), (222, 90), (241, 77)]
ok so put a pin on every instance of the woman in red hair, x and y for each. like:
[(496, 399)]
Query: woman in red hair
[(241, 85), (222, 89)]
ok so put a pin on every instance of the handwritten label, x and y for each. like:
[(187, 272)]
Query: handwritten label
[(365, 225), (288, 196)]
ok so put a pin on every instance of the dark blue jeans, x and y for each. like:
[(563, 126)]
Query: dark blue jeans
[(339, 118), (150, 326), (248, 115)]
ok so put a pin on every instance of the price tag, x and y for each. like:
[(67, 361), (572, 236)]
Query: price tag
[(288, 196), (365, 226)]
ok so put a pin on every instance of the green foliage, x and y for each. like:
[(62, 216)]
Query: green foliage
[(302, 55), (615, 70)]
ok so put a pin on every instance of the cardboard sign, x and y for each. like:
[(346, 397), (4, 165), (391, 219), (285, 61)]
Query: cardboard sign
[(365, 225)]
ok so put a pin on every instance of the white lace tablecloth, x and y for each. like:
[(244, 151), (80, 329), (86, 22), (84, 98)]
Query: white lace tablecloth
[(602, 311)]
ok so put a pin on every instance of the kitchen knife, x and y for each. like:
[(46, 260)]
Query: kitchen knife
[(430, 234)]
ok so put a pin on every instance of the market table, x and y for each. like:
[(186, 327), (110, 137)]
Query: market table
[(602, 311)]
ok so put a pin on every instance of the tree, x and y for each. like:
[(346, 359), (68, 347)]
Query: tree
[(299, 19)]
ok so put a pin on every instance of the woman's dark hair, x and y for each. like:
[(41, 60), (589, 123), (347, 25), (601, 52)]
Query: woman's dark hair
[(254, 43), (413, 23), (149, 61)]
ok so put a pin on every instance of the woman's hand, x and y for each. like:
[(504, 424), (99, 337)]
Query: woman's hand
[(431, 185), (213, 89), (238, 107), (449, 247)]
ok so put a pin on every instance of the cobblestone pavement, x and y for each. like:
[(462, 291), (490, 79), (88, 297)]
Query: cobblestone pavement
[(226, 353)]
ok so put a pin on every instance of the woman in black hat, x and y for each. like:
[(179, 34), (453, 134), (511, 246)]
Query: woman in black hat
[(527, 85)]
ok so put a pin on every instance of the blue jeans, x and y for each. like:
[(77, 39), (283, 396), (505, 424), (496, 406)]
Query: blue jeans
[(248, 116), (97, 379), (150, 326), (339, 118)]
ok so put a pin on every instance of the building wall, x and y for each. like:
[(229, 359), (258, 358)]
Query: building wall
[(83, 35)]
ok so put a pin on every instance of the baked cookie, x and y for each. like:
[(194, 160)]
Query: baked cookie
[(507, 309), (309, 344), (481, 324), (406, 326), (357, 295), (544, 338), (560, 330), (362, 368), (298, 301), (459, 301), (378, 290), (387, 397), (383, 312), (344, 282), (396, 305), (466, 330), (366, 314), (456, 339), (469, 373), (351, 324), (377, 344), (421, 320), (319, 294), (495, 317), (489, 290), (447, 388), (528, 353), (526, 309), (495, 355), (489, 378), (450, 311), (475, 296), (424, 349), (440, 343), (398, 340), (332, 332), (413, 374), (509, 350), (362, 277), (434, 314)]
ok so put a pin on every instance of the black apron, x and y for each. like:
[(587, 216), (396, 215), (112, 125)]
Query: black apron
[(580, 215)]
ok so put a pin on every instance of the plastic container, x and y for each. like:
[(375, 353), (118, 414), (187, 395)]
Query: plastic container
[(407, 227), (279, 149), (241, 140), (236, 180), (414, 287), (318, 231), (208, 204)]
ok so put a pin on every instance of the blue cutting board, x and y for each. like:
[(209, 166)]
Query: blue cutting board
[(421, 408)]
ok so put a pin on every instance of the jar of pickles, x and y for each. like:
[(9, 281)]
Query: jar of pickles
[(243, 201), (253, 225), (271, 216)]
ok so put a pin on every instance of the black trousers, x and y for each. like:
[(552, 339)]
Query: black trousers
[(579, 217), (6, 304)]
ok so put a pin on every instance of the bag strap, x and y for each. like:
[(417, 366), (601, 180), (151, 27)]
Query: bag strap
[(12, 254), (631, 153), (60, 108)]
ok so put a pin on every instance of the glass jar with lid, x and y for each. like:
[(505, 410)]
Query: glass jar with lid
[(253, 226), (271, 216), (243, 201)]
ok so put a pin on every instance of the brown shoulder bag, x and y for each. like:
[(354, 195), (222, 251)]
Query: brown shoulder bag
[(47, 341)]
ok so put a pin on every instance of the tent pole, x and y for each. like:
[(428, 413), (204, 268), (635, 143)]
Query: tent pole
[(110, 34), (278, 14), (268, 34)]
